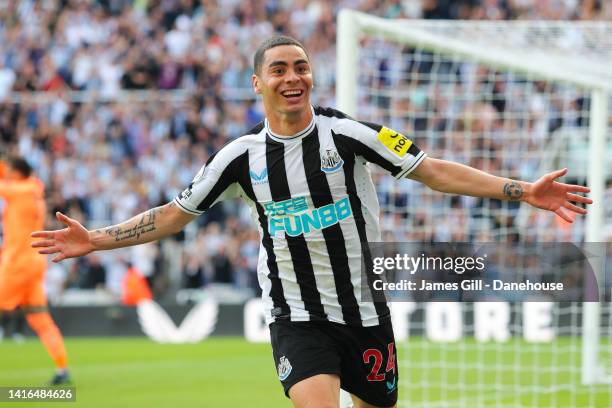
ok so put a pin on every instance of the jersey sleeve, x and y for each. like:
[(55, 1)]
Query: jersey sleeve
[(216, 181), (385, 147)]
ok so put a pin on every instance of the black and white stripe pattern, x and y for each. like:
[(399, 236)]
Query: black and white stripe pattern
[(315, 206)]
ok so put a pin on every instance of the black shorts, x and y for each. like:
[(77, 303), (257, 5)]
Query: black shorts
[(363, 357)]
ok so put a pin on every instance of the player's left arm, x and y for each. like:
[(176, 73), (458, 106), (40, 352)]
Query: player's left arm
[(545, 193)]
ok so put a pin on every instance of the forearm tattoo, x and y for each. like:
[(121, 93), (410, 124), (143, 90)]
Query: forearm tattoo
[(513, 191), (144, 225)]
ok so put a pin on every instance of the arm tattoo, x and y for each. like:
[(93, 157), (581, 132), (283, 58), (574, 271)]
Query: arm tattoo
[(144, 225), (513, 191)]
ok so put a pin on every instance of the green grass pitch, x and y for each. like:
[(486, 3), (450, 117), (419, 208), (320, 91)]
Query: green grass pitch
[(229, 372), (136, 372)]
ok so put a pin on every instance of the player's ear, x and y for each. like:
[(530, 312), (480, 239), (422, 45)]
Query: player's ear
[(255, 81)]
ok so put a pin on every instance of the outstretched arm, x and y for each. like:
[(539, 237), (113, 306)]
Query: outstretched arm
[(75, 240), (545, 193)]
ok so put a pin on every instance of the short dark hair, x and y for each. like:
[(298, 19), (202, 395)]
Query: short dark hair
[(271, 43), (21, 165)]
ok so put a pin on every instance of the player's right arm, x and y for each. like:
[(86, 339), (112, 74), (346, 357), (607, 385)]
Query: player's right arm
[(215, 182), (75, 240)]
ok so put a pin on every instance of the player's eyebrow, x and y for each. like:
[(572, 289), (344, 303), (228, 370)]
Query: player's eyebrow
[(285, 64), (277, 63)]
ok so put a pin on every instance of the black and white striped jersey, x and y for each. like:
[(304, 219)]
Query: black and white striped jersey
[(313, 200)]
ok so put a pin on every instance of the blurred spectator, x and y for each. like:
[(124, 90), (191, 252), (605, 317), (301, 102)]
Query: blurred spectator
[(178, 40), (145, 259), (193, 273), (93, 272), (7, 79), (223, 270), (135, 288)]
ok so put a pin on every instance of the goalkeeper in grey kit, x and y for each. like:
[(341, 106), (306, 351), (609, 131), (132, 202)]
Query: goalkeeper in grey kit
[(303, 171)]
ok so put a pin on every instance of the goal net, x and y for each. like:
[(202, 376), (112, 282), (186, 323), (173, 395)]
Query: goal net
[(517, 99)]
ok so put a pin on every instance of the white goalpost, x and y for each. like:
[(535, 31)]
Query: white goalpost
[(517, 99)]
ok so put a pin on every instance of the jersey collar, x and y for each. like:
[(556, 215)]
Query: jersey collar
[(298, 135)]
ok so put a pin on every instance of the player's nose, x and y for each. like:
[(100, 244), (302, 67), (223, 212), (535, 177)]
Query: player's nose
[(291, 76)]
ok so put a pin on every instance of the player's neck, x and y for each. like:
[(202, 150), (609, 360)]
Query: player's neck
[(283, 124)]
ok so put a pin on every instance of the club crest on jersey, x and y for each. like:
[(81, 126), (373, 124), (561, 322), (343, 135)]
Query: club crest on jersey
[(284, 368), (331, 161), (260, 178)]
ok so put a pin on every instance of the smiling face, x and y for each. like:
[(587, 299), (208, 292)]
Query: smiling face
[(285, 81)]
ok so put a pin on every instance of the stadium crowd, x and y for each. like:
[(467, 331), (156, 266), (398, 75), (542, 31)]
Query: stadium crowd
[(106, 154)]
